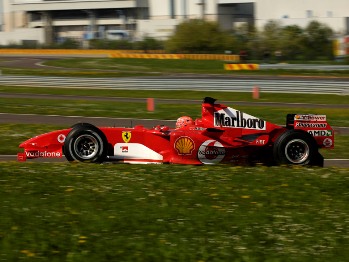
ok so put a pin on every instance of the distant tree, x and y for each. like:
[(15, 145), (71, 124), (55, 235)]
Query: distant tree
[(291, 42), (110, 44), (294, 42), (196, 35), (149, 43), (317, 40), (247, 39), (68, 43), (271, 36)]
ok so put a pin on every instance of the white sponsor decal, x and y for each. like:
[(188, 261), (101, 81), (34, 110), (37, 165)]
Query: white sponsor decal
[(135, 151), (311, 125), (211, 152), (232, 118), (320, 132), (260, 141), (310, 117), (43, 154)]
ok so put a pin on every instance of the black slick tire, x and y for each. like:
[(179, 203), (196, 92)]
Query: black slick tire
[(85, 143), (295, 147)]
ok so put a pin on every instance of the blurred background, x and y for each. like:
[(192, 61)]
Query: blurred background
[(264, 30)]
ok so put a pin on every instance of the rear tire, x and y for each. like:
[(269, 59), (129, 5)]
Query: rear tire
[(295, 147), (85, 143)]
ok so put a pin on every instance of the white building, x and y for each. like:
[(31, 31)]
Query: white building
[(47, 21)]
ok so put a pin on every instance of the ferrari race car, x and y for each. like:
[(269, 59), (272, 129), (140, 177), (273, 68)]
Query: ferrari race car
[(222, 135)]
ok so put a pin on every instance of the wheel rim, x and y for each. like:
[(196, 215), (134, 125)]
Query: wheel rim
[(86, 147), (297, 151)]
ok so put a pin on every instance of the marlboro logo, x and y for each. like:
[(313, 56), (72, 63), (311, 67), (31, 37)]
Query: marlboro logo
[(237, 119), (124, 149)]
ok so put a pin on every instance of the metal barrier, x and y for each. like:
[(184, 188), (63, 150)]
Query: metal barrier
[(233, 67)]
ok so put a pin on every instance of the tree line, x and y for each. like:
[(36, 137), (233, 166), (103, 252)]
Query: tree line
[(270, 44), (273, 42)]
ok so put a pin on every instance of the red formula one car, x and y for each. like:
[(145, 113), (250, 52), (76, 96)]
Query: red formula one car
[(222, 135)]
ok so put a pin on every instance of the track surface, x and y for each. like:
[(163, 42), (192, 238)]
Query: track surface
[(32, 61), (229, 83), (216, 83), (166, 101)]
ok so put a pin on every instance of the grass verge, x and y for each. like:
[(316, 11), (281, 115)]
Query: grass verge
[(79, 212), (81, 107), (189, 95)]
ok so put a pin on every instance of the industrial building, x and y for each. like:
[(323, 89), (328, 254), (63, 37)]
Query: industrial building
[(49, 21)]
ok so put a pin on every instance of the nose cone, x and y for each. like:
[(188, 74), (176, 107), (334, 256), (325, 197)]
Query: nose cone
[(46, 140), (47, 145), (29, 143)]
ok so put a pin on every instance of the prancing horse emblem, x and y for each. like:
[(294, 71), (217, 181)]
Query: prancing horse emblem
[(126, 136)]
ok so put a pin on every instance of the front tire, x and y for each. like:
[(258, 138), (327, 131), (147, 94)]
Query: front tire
[(295, 147), (85, 144)]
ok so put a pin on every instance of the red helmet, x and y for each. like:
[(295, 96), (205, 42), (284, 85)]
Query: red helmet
[(184, 121)]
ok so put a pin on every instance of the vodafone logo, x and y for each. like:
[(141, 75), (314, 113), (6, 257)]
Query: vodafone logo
[(211, 152), (61, 138)]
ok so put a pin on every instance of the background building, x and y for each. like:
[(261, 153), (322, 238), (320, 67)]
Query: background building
[(49, 21)]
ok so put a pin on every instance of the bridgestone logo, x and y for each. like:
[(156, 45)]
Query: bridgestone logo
[(238, 120), (311, 125)]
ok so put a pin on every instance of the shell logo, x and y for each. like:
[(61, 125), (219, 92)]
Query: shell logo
[(184, 145)]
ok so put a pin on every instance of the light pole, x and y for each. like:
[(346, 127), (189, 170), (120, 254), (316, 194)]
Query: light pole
[(1, 15), (203, 9), (184, 6)]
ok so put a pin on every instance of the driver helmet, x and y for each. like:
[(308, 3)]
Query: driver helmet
[(184, 121)]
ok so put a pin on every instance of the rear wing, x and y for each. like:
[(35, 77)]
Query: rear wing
[(315, 125), (224, 117)]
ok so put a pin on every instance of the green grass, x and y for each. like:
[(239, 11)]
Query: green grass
[(198, 95), (79, 212), (142, 65), (336, 116)]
